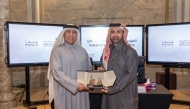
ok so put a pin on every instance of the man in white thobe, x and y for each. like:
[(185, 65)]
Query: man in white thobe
[(66, 58)]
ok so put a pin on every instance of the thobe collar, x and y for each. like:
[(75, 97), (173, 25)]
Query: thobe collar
[(118, 46), (69, 46)]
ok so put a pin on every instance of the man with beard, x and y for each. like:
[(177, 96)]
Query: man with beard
[(123, 60)]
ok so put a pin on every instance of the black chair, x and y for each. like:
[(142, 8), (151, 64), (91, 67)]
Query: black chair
[(141, 70)]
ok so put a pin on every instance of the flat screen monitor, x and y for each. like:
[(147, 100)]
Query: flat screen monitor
[(30, 44), (168, 44), (93, 39)]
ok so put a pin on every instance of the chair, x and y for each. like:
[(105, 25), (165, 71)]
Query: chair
[(141, 70)]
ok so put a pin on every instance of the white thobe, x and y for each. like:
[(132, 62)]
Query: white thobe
[(65, 60)]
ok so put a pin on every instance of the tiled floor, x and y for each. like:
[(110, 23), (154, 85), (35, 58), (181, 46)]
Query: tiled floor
[(182, 95), (41, 94), (36, 95)]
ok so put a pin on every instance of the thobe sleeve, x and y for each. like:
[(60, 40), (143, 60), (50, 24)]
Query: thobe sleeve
[(59, 76), (89, 61), (130, 74)]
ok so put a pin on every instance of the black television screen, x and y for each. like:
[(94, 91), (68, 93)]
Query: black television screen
[(93, 39), (168, 44), (30, 44)]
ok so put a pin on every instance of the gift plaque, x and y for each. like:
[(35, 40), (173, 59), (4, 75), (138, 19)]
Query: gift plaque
[(96, 79)]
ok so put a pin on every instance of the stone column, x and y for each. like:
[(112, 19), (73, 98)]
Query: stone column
[(7, 98)]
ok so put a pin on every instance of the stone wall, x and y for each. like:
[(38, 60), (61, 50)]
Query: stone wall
[(7, 98)]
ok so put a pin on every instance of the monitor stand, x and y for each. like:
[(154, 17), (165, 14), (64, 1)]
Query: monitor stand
[(27, 102)]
